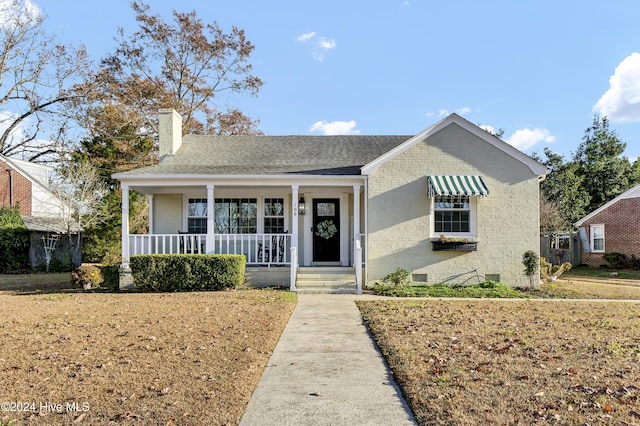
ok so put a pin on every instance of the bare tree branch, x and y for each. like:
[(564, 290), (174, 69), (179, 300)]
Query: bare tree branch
[(35, 76)]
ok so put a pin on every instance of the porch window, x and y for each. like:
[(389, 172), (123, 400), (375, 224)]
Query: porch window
[(197, 216), (236, 215), (452, 214), (597, 238), (274, 215)]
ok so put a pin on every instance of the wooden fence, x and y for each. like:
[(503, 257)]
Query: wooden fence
[(561, 248)]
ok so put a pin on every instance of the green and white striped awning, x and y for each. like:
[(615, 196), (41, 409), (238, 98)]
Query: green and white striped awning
[(468, 185)]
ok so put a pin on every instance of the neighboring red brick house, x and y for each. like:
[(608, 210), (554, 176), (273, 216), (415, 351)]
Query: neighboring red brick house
[(26, 185), (15, 187), (613, 228)]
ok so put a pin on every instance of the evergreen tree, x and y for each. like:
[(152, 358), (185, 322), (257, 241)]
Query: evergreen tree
[(605, 172)]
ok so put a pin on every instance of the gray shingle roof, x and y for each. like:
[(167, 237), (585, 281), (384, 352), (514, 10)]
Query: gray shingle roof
[(272, 155), (55, 225)]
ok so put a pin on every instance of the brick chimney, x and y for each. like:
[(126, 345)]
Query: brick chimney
[(170, 131)]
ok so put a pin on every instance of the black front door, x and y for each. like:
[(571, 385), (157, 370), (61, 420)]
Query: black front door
[(326, 230)]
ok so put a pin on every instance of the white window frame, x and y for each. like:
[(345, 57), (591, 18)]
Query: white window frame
[(264, 216), (189, 199), (473, 203), (260, 200), (592, 237), (239, 200)]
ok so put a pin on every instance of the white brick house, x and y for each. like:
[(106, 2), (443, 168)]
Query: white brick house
[(371, 203)]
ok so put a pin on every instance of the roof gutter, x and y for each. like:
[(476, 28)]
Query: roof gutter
[(259, 180)]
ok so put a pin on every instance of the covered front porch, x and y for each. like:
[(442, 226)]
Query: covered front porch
[(274, 223)]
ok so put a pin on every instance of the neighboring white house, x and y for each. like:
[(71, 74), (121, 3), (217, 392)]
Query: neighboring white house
[(449, 204)]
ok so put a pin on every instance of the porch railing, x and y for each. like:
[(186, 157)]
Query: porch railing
[(259, 249), (263, 249)]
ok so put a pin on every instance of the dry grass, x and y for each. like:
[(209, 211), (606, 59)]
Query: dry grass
[(35, 282), (181, 358), (512, 362), (195, 358), (577, 287)]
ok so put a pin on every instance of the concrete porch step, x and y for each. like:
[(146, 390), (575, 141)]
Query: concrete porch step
[(333, 280)]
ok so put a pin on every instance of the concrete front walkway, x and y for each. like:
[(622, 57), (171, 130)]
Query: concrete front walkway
[(326, 370)]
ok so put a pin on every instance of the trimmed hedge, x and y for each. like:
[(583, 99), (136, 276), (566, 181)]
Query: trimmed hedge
[(187, 272), (14, 242)]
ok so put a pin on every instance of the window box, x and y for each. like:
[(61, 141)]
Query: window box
[(454, 246)]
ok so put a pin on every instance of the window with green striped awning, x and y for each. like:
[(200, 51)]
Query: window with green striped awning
[(456, 185)]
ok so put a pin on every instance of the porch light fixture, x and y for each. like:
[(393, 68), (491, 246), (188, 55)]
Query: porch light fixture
[(301, 206)]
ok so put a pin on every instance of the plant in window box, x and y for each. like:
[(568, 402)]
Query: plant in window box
[(454, 243)]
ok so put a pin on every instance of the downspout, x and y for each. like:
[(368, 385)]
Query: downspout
[(10, 187)]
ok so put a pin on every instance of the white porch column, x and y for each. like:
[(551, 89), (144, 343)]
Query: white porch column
[(150, 202), (294, 237), (357, 242), (125, 223), (356, 211), (294, 215), (210, 219)]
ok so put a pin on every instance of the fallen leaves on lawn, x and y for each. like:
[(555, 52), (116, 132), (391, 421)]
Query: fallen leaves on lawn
[(512, 362), (179, 358)]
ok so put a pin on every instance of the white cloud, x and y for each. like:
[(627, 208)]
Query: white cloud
[(321, 45), (405, 4), (26, 12), (488, 128), (526, 138), (326, 44), (306, 37), (335, 127), (443, 112), (622, 101)]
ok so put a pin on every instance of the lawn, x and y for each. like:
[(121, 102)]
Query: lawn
[(129, 358), (463, 362), (195, 358), (585, 287)]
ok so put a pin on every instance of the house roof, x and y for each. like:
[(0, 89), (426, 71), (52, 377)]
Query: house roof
[(345, 155), (272, 155), (631, 193), (54, 225), (37, 174)]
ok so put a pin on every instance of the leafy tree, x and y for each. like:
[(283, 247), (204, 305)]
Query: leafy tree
[(186, 65), (597, 173), (599, 161), (564, 188), (36, 75), (119, 151), (102, 243)]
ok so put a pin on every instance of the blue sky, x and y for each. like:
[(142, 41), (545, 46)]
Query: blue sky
[(538, 69)]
